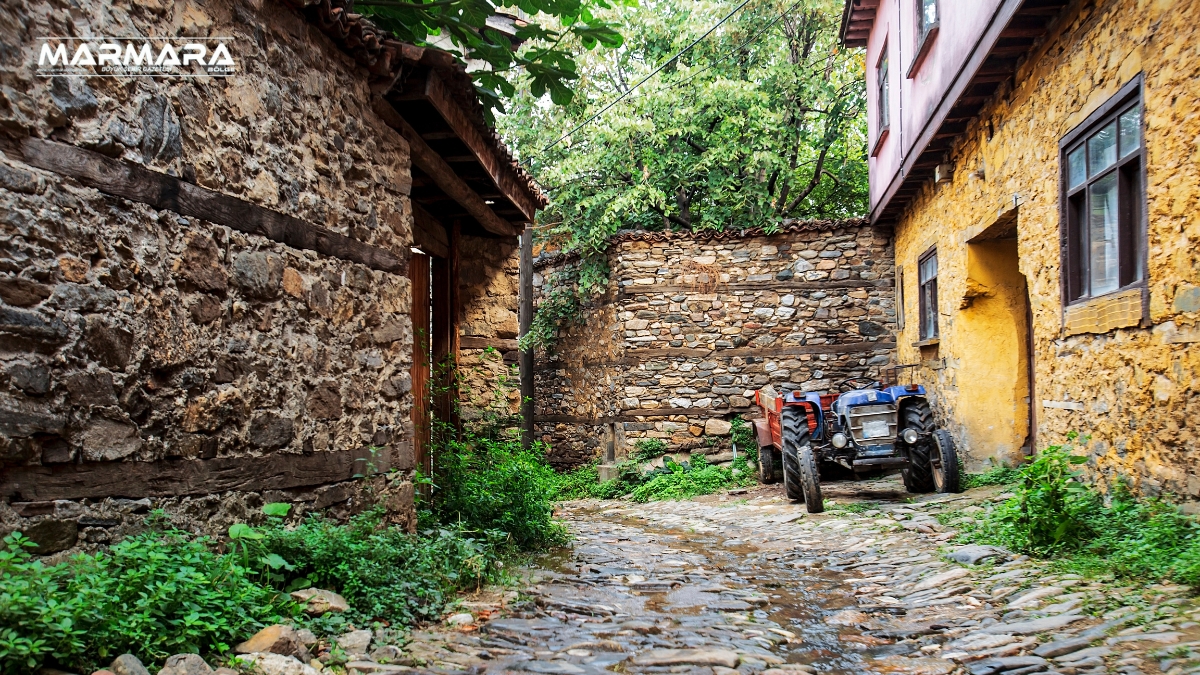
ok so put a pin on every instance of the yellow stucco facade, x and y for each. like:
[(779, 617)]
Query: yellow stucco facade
[(1122, 369)]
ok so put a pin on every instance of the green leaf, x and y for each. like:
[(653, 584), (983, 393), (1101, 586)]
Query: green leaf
[(277, 508), (243, 531)]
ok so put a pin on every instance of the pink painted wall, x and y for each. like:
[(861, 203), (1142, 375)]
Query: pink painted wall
[(912, 101)]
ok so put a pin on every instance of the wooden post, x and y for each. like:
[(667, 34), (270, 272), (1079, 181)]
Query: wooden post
[(525, 318)]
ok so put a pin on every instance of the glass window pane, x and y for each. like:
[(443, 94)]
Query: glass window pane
[(1103, 261), (1131, 130), (929, 268), (928, 14), (1076, 171), (1102, 149)]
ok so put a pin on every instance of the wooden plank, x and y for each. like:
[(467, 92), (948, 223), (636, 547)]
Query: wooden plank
[(429, 234), (773, 285), (641, 414), (139, 184), (524, 322), (418, 274), (442, 174), (176, 478), (636, 356), (472, 342), (497, 167)]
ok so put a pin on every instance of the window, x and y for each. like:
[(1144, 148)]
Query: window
[(927, 18), (927, 274), (881, 81), (899, 297), (1104, 198)]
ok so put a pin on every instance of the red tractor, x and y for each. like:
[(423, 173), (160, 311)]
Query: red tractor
[(865, 427)]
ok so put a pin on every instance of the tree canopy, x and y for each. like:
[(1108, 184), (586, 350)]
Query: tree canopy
[(760, 122), (542, 58)]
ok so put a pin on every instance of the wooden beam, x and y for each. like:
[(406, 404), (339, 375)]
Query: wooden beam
[(473, 342), (497, 167), (446, 179), (428, 233), (176, 478), (139, 184), (525, 321)]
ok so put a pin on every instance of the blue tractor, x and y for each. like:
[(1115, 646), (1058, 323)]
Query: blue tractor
[(866, 427)]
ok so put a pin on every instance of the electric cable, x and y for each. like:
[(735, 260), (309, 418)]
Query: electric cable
[(664, 64)]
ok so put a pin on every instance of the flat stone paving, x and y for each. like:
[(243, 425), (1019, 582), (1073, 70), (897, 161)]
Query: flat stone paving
[(754, 584)]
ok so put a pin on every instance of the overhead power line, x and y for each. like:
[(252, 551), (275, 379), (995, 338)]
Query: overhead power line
[(652, 74)]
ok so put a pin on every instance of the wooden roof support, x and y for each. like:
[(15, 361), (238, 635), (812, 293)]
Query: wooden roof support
[(435, 92), (442, 174)]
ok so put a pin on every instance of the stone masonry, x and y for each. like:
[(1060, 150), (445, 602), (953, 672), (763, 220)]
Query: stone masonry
[(692, 324), (137, 336)]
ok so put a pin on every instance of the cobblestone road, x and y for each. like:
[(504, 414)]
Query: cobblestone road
[(753, 584)]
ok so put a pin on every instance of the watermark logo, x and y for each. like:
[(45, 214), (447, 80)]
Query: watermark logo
[(136, 57)]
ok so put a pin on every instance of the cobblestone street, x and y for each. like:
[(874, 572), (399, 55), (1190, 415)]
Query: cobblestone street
[(750, 583)]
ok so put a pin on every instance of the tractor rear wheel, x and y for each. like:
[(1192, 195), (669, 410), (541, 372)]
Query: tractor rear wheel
[(945, 463), (795, 435), (810, 479), (766, 464), (918, 473)]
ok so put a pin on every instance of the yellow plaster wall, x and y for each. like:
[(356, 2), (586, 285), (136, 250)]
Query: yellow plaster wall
[(1133, 390)]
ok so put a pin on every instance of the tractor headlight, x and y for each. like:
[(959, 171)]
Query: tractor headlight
[(839, 440), (909, 436)]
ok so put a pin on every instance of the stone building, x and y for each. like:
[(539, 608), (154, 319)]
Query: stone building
[(1037, 161), (219, 291), (692, 323)]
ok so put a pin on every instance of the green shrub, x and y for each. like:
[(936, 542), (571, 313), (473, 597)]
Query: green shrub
[(649, 448), (1054, 514), (383, 572), (486, 484), (678, 481), (153, 595), (744, 439)]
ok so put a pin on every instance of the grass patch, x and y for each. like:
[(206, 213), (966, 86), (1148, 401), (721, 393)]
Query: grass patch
[(1053, 514), (853, 507), (673, 480), (997, 475)]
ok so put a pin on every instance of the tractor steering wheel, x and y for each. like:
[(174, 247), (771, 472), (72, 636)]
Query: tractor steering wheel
[(851, 383)]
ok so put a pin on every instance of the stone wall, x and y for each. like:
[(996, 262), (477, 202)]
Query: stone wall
[(692, 325), (1132, 390), (489, 289), (166, 354)]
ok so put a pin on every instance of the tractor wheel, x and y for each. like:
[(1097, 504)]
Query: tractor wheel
[(766, 465), (795, 436), (810, 479), (918, 474), (945, 463)]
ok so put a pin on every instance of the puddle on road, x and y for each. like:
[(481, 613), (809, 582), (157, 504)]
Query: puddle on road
[(705, 577)]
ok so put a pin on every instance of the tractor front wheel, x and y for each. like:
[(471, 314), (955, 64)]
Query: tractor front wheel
[(944, 460), (801, 479), (918, 473), (810, 480), (795, 434)]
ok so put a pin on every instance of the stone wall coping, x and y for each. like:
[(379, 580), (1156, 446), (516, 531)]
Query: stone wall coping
[(788, 226)]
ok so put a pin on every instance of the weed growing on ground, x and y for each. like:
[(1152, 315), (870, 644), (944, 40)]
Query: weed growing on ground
[(1054, 514), (853, 507), (384, 572), (488, 482), (153, 595), (649, 448), (698, 477), (997, 475), (744, 440)]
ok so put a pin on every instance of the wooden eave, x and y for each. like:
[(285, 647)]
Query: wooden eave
[(1014, 30), (857, 18), (461, 170)]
